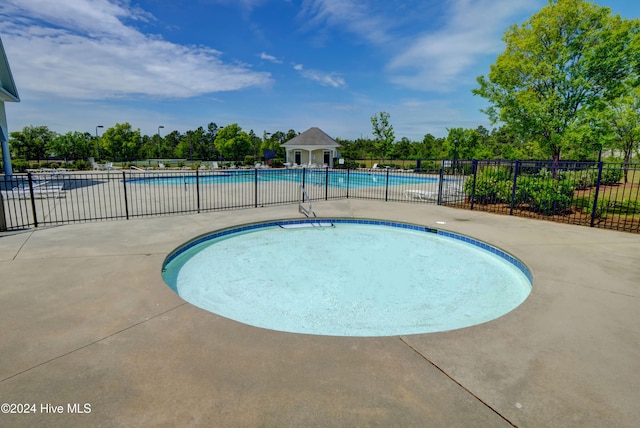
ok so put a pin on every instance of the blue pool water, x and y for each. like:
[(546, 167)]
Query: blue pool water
[(355, 278), (333, 178)]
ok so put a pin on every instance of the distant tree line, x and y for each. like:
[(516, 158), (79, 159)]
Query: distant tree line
[(121, 143)]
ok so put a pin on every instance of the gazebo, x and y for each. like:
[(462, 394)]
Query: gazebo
[(8, 93), (312, 147)]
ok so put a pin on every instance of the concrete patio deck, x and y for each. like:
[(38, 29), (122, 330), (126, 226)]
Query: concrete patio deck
[(87, 319)]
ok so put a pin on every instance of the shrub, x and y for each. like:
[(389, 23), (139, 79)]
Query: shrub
[(81, 165), (277, 163), (581, 179), (249, 160), (19, 165), (493, 185), (611, 176), (550, 197)]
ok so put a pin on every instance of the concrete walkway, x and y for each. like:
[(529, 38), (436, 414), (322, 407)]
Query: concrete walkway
[(87, 319)]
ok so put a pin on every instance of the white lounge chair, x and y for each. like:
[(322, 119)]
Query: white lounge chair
[(449, 192), (375, 166), (40, 190), (423, 195)]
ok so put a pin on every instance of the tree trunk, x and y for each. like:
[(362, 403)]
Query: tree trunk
[(555, 164)]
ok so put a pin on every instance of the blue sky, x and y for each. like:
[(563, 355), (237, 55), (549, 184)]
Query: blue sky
[(268, 65)]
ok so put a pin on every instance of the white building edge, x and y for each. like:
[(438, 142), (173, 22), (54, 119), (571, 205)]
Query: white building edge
[(8, 93)]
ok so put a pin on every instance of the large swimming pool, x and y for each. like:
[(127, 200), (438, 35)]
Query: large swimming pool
[(332, 178), (347, 277)]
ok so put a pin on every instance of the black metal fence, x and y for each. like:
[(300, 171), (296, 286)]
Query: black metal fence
[(594, 194)]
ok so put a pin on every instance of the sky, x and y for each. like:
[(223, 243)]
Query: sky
[(267, 65)]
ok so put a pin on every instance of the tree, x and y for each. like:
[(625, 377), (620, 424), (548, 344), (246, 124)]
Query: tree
[(121, 142), (557, 66), (255, 142), (194, 145), (383, 131), (623, 118), (72, 145), (210, 137), (273, 141), (148, 147), (31, 143), (429, 148), (233, 143), (402, 149), (461, 143), (169, 144)]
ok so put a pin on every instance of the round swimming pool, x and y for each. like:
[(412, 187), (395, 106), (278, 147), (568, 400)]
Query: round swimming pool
[(347, 277)]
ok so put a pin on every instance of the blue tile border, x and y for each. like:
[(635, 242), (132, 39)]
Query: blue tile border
[(276, 223)]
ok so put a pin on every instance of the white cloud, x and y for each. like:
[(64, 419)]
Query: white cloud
[(85, 50), (435, 61), (325, 79), (270, 58), (353, 15)]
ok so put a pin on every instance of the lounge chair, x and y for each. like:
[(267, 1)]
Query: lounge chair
[(375, 166), (423, 195), (449, 192), (40, 190)]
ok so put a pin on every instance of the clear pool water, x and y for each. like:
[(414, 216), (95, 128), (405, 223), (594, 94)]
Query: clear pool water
[(351, 279), (332, 178)]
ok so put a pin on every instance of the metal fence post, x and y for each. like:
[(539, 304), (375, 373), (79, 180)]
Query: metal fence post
[(386, 188), (473, 187), (33, 200), (513, 187), (595, 196), (440, 183), (326, 184), (255, 188), (3, 220), (304, 179), (348, 171), (126, 201), (198, 190)]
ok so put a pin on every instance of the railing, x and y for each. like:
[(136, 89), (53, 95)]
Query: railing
[(605, 195)]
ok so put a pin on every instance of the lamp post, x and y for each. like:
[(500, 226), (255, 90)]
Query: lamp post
[(159, 128), (265, 134), (455, 154), (97, 149)]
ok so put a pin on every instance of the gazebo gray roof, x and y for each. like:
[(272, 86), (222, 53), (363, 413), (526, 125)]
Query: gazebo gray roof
[(311, 138)]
